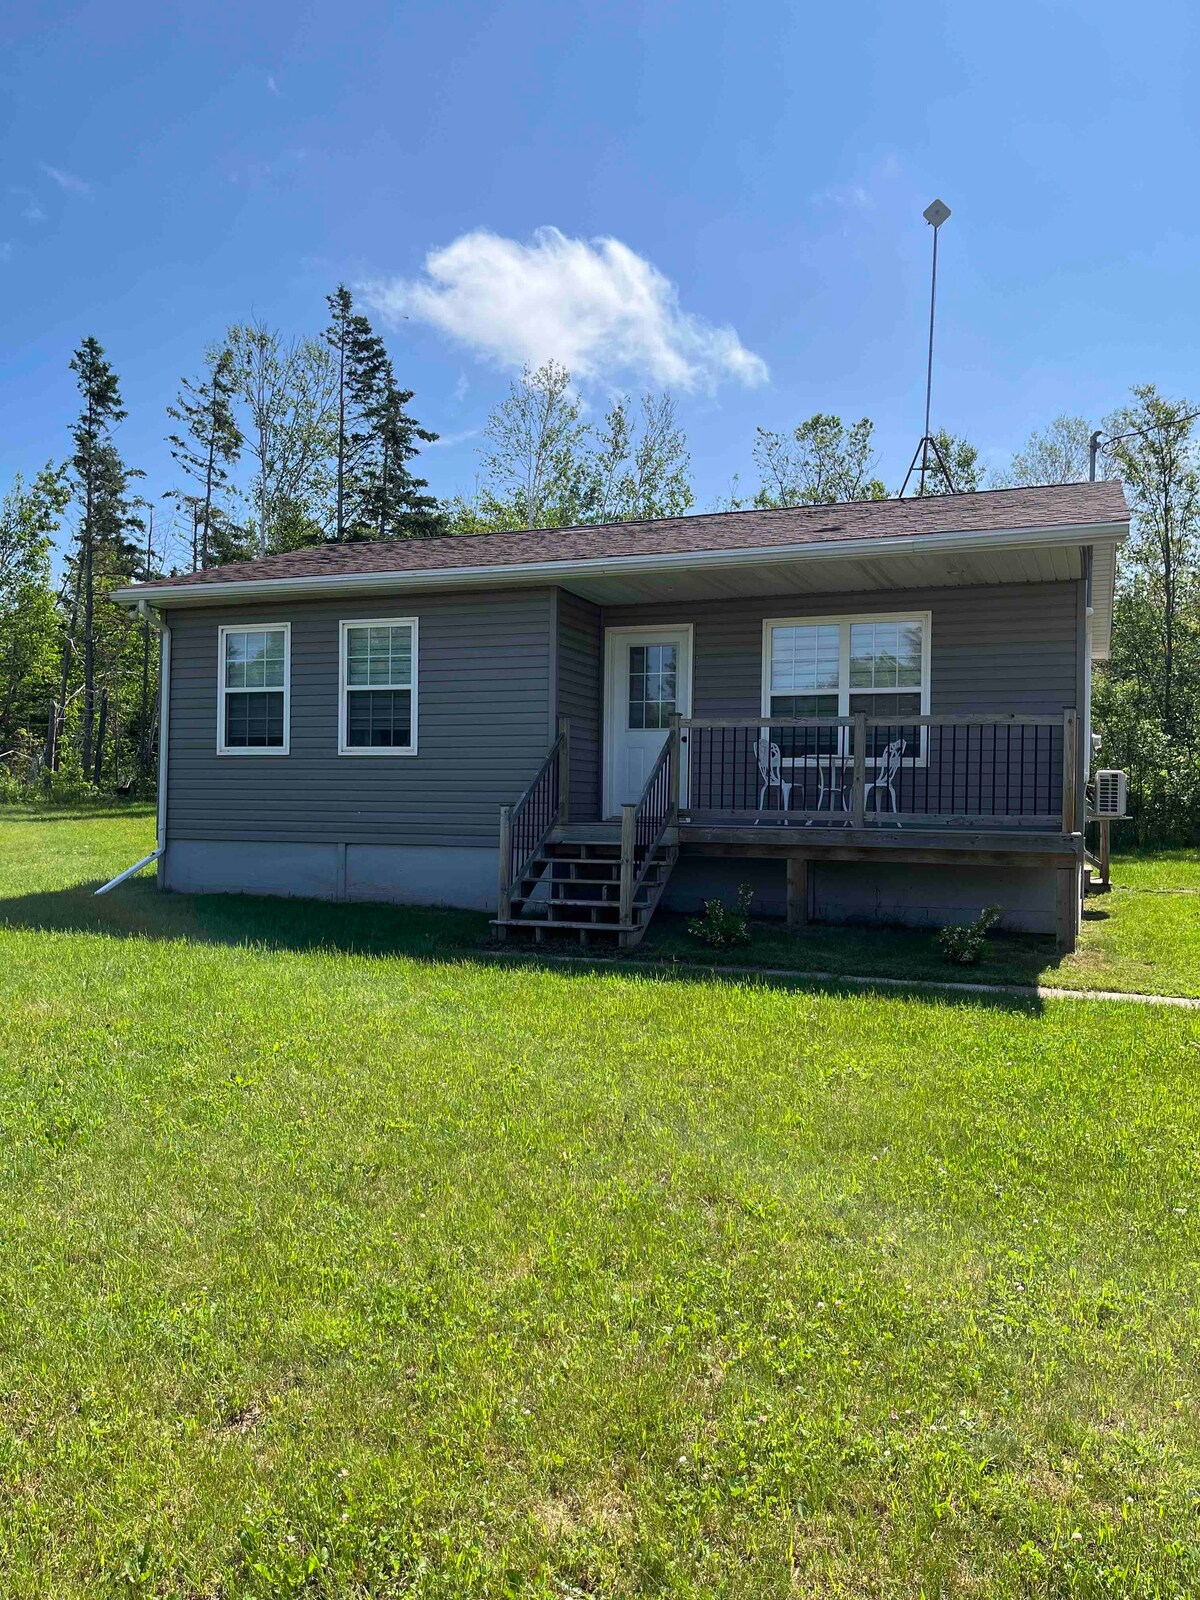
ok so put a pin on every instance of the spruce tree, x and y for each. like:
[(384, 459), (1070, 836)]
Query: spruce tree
[(100, 485), (376, 495), (391, 503), (347, 336), (210, 445)]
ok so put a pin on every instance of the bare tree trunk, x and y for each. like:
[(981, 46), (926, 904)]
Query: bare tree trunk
[(383, 491), (89, 610), (144, 709), (58, 710), (1168, 619), (208, 477), (102, 724), (341, 450)]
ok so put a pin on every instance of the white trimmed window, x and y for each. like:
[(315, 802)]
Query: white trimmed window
[(253, 699), (839, 666), (378, 709)]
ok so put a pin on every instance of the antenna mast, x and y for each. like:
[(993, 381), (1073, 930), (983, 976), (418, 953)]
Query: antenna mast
[(934, 214)]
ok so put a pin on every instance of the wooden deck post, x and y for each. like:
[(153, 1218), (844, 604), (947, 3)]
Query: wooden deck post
[(564, 769), (504, 897), (797, 892), (1070, 772), (628, 821), (858, 803), (676, 738), (1105, 879), (1066, 908)]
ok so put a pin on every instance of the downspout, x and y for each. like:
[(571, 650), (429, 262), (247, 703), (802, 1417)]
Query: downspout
[(1083, 760), (158, 854), (1089, 615)]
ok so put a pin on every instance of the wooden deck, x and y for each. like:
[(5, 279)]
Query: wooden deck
[(1007, 809)]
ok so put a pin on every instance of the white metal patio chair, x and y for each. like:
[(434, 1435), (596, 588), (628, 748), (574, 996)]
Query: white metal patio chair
[(770, 772), (887, 773)]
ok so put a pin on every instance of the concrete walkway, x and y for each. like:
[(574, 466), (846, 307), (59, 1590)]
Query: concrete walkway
[(1012, 991)]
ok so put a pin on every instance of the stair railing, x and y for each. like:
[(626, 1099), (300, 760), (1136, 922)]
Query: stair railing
[(526, 825), (644, 822)]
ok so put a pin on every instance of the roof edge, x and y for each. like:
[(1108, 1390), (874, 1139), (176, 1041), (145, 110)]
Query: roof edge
[(511, 573)]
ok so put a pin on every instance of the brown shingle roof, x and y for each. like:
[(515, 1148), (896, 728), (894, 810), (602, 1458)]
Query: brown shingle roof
[(1062, 505)]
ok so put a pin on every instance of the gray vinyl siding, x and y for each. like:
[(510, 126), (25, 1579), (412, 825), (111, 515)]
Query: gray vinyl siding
[(1003, 648), (484, 698), (580, 676)]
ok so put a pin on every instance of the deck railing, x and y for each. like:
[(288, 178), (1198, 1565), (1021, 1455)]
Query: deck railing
[(525, 826), (645, 821), (945, 771)]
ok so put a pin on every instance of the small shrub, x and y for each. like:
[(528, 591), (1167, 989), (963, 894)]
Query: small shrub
[(722, 926), (962, 943)]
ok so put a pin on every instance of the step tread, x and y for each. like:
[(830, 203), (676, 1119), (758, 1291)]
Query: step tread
[(544, 922), (603, 905)]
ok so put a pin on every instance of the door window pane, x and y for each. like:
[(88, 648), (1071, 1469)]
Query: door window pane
[(653, 684)]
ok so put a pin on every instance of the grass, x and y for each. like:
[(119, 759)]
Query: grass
[(338, 1272), (1142, 938)]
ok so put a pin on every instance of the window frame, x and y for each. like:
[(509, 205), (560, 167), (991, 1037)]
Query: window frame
[(223, 632), (345, 689), (844, 622)]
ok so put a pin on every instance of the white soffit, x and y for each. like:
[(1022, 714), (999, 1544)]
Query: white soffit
[(843, 575)]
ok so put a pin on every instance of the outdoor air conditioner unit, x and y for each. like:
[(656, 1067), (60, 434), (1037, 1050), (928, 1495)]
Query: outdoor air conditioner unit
[(1111, 791)]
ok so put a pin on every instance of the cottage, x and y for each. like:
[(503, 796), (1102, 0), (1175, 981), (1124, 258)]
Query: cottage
[(874, 711)]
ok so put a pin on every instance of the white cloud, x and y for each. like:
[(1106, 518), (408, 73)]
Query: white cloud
[(5, 250), (272, 86), (595, 305), (65, 180)]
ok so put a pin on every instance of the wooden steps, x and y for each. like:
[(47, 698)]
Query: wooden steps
[(572, 885)]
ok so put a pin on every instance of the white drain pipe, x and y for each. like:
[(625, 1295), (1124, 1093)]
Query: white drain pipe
[(147, 614)]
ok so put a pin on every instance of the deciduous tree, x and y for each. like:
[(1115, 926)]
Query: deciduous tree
[(1057, 453), (640, 471), (29, 632), (822, 460), (208, 447), (288, 390)]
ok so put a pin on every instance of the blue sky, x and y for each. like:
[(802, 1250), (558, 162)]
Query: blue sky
[(761, 168)]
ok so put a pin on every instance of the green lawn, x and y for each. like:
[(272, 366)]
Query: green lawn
[(326, 1270), (1143, 937)]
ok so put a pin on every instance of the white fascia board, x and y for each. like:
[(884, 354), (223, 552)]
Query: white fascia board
[(532, 572)]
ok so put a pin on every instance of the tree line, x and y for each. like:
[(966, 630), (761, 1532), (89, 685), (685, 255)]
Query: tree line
[(283, 443)]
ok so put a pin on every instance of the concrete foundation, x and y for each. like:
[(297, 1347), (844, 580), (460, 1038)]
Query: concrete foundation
[(402, 874)]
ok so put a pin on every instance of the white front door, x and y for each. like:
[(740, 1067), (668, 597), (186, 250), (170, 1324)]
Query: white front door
[(648, 675)]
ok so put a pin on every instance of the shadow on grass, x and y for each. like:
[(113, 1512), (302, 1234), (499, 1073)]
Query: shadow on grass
[(137, 910), (98, 811)]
